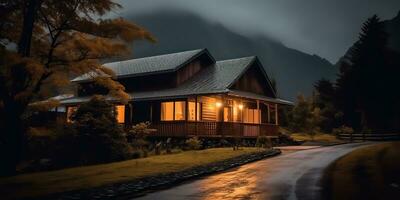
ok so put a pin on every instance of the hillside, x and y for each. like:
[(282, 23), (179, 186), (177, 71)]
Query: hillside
[(294, 71)]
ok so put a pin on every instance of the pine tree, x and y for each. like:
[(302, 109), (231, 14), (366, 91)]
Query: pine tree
[(365, 82)]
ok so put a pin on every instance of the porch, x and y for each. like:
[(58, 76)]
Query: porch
[(208, 115), (218, 115), (213, 129)]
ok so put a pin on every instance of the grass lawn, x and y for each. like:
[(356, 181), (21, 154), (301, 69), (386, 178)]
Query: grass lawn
[(371, 172), (44, 183), (319, 137)]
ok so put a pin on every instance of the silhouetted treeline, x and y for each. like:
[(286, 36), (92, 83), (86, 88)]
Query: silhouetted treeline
[(366, 93)]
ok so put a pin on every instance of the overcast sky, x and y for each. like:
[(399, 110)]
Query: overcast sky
[(323, 27)]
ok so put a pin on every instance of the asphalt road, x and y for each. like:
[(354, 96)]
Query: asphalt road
[(293, 175)]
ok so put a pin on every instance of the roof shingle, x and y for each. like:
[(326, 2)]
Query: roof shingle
[(214, 79), (147, 65)]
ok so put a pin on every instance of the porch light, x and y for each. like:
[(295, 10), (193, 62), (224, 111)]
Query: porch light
[(240, 106), (218, 104)]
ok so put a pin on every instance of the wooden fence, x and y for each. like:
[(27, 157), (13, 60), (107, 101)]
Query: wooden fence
[(370, 137)]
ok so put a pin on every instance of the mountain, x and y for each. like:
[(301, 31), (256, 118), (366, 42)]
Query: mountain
[(294, 71)]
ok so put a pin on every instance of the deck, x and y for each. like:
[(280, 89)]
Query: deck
[(212, 129)]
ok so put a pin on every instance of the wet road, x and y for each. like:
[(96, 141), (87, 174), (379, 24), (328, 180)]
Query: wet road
[(292, 175)]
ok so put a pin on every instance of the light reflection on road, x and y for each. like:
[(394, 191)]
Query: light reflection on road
[(293, 175)]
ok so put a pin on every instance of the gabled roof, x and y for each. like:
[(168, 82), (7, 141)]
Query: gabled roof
[(149, 65), (215, 79)]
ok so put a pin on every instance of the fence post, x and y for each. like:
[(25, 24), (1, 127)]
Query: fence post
[(351, 137)]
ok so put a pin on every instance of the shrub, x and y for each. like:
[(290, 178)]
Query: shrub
[(168, 146), (140, 130), (343, 130), (193, 143), (98, 136), (223, 143), (137, 137), (264, 142), (285, 138), (237, 141), (39, 143)]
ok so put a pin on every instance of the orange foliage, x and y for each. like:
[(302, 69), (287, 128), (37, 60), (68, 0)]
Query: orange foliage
[(70, 38)]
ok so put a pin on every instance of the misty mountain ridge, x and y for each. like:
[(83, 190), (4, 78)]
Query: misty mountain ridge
[(294, 71)]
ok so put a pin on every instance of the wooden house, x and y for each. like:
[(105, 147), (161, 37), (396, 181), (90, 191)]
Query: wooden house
[(190, 94)]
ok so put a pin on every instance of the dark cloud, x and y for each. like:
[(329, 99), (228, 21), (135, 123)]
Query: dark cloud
[(322, 27)]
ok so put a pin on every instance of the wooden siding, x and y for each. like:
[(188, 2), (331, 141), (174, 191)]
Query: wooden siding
[(208, 112), (187, 72), (254, 81)]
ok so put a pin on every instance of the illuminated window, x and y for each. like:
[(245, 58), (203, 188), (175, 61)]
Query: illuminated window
[(120, 115), (173, 111), (227, 114), (192, 111), (251, 116), (70, 111), (180, 110), (256, 116), (167, 111)]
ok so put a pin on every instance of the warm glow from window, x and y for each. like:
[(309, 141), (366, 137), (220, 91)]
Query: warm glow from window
[(120, 115), (218, 104), (251, 116), (71, 110), (227, 114), (167, 111), (173, 111), (192, 111), (180, 110), (240, 106)]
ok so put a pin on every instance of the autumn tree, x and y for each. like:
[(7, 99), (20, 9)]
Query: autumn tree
[(45, 42)]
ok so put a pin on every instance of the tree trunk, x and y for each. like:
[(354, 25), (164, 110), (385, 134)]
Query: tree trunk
[(12, 138), (24, 43), (13, 128)]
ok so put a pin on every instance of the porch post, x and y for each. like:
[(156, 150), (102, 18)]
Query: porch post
[(276, 114), (258, 111), (269, 114), (128, 115), (259, 118), (221, 120), (195, 114), (151, 112)]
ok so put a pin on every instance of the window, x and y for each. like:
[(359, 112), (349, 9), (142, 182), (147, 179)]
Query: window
[(120, 115), (251, 116), (227, 114), (167, 111), (173, 111), (70, 111), (192, 111), (180, 110)]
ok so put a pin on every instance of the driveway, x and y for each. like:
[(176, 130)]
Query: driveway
[(293, 175)]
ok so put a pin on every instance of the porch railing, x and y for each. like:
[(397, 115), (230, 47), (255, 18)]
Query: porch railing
[(213, 129)]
